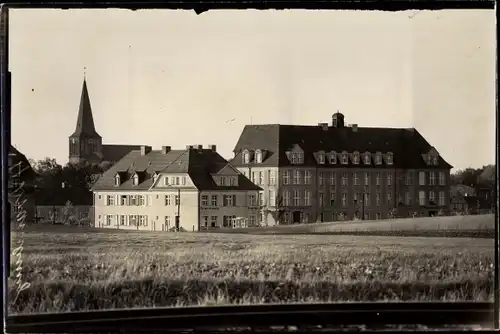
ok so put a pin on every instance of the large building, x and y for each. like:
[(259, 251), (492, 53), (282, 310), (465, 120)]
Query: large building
[(86, 144), (329, 172), (163, 190), (21, 187)]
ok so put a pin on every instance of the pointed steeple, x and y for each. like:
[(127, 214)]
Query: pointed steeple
[(85, 121)]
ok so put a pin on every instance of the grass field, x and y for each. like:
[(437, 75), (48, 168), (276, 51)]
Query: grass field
[(73, 269)]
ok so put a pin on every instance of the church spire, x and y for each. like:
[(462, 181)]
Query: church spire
[(85, 121)]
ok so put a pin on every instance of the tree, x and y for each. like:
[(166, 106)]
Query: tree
[(487, 177)]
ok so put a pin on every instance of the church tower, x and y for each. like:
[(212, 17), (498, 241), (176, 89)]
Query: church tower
[(85, 143)]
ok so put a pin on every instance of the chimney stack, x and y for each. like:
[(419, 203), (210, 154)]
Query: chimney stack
[(145, 149), (324, 126), (199, 147), (354, 127), (189, 147), (213, 148), (165, 149)]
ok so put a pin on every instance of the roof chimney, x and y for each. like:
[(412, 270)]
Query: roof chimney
[(145, 149), (165, 149), (354, 127), (213, 148), (324, 126), (199, 147), (189, 147)]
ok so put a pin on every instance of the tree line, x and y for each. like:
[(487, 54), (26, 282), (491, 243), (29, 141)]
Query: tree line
[(57, 184), (483, 177)]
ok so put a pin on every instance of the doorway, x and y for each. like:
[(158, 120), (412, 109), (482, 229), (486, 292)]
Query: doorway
[(296, 217)]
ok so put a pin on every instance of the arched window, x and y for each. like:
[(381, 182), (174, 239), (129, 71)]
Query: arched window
[(258, 156), (135, 180), (117, 180), (246, 157)]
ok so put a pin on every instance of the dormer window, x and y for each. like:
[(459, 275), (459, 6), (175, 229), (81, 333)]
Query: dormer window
[(435, 160), (258, 156), (117, 180), (222, 181), (378, 158), (321, 158), (390, 158), (135, 180), (355, 157), (367, 158), (345, 158), (246, 157), (166, 182), (333, 158), (297, 158)]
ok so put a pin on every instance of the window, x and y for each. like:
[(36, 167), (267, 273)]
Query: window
[(204, 221), (272, 177), (307, 198), (435, 160), (253, 178), (228, 200), (355, 158), (252, 200), (344, 199), (297, 158), (305, 218), (167, 223), (132, 220), (232, 181), (124, 200), (166, 181), (110, 200), (222, 181), (140, 200), (345, 158), (177, 200), (366, 198), (213, 200), (307, 177), (441, 199), (333, 196), (408, 198), (167, 200), (133, 200), (286, 198), (252, 220), (176, 181), (184, 180), (367, 179), (272, 197), (432, 179), (389, 198), (321, 158), (296, 177), (261, 178), (321, 178), (355, 198), (355, 179), (389, 179), (344, 179), (378, 216), (333, 158), (421, 197), (332, 178), (286, 217), (321, 199), (246, 157), (122, 220), (301, 158), (258, 156), (378, 158), (109, 220), (286, 177), (409, 178), (377, 199), (204, 200), (421, 178), (143, 220), (117, 180), (442, 179), (213, 221), (432, 197), (377, 179), (296, 197), (390, 158), (367, 158)]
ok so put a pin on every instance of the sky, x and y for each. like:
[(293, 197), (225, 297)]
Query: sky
[(171, 77)]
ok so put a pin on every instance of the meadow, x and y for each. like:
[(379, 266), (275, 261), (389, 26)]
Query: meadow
[(72, 269)]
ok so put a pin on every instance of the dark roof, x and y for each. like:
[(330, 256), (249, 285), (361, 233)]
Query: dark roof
[(200, 164), (114, 153), (407, 145), (16, 157), (85, 121)]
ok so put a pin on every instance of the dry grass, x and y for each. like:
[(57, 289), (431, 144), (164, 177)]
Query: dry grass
[(73, 269)]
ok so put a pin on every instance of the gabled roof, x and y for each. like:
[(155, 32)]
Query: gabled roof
[(85, 121), (199, 164), (407, 144)]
